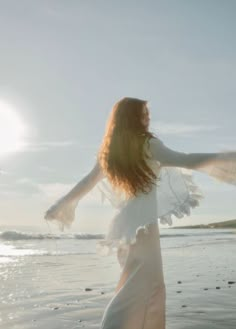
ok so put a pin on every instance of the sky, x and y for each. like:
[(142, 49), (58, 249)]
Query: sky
[(65, 63)]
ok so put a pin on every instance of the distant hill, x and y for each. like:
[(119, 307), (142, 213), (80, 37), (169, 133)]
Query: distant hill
[(226, 224)]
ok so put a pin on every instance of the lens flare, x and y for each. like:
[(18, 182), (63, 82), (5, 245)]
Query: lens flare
[(12, 130)]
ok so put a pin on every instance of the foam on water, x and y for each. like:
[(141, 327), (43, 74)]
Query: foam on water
[(18, 235)]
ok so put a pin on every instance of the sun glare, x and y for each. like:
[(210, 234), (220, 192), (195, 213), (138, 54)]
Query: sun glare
[(12, 130)]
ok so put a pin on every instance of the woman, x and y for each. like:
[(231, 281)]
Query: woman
[(144, 179)]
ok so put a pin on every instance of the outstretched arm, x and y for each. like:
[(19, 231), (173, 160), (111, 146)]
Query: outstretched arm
[(171, 158), (220, 165), (85, 184), (64, 209)]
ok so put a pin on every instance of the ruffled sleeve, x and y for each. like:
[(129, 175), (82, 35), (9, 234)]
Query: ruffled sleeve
[(177, 193), (174, 195), (63, 210), (220, 165)]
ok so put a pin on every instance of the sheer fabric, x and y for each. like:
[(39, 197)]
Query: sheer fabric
[(173, 194), (139, 300)]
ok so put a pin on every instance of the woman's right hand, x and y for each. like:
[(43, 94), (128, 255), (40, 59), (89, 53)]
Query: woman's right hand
[(54, 211), (63, 211)]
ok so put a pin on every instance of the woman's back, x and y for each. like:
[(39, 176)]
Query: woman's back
[(145, 181)]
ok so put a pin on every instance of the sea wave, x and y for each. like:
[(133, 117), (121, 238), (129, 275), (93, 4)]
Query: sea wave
[(16, 235), (33, 253), (19, 235)]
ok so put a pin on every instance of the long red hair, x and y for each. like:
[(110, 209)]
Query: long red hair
[(121, 155)]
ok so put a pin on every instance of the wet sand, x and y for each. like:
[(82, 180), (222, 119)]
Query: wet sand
[(72, 292)]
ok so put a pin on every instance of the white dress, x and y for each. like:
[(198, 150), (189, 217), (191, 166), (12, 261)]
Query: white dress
[(140, 296)]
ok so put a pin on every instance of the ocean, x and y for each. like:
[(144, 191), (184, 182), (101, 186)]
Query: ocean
[(16, 242), (58, 281)]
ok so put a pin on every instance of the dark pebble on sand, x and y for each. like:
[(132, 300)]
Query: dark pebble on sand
[(179, 291), (102, 292), (231, 282), (179, 281), (205, 288), (56, 308), (184, 306), (217, 287), (88, 289)]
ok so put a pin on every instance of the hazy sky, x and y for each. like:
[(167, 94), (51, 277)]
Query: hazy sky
[(65, 63)]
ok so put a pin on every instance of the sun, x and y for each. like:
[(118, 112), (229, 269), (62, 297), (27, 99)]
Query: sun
[(12, 130)]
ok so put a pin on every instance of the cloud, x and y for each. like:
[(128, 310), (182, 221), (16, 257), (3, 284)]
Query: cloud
[(182, 129), (54, 190), (25, 187), (5, 173), (227, 146), (46, 169), (44, 146), (21, 187)]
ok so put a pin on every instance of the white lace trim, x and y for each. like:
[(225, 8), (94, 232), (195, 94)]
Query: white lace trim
[(107, 247), (191, 201)]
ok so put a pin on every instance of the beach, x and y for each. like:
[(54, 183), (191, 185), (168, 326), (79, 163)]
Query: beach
[(60, 282)]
